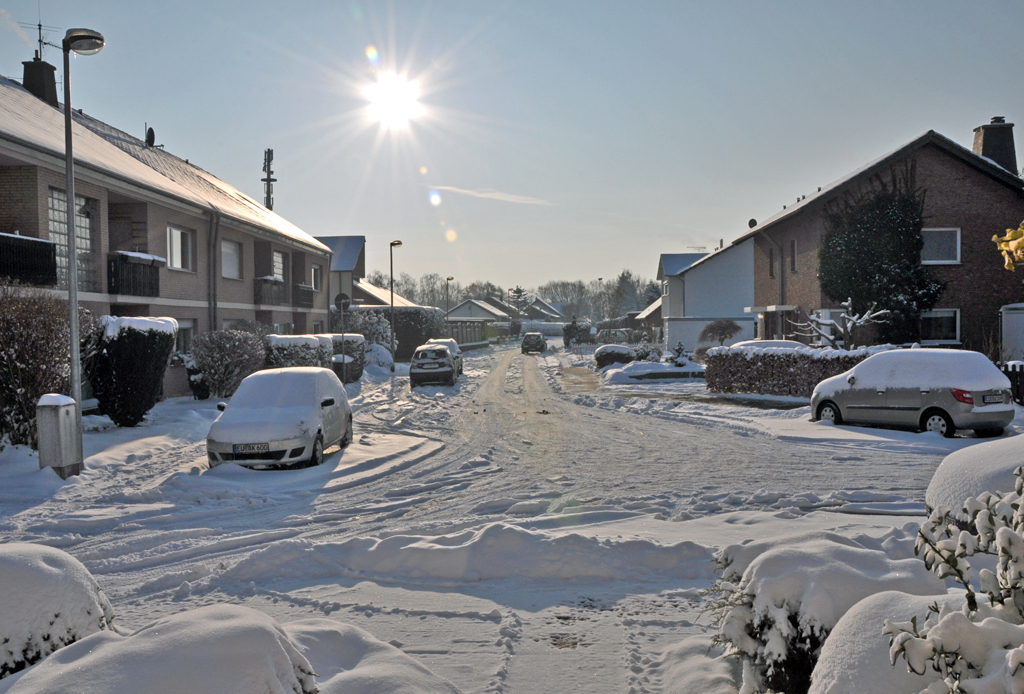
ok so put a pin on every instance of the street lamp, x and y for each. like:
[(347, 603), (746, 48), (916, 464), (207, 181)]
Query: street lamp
[(394, 245), (83, 42), (447, 320)]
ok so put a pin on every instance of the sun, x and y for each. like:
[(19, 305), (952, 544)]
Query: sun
[(394, 101)]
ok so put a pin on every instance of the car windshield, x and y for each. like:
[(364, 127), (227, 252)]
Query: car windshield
[(431, 354), (275, 390)]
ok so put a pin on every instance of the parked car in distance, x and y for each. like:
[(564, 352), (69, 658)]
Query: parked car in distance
[(281, 417), (610, 336), (765, 344), (432, 363), (927, 389), (453, 347), (534, 342)]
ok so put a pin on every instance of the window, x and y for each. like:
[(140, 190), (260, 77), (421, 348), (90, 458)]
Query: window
[(940, 325), (792, 256), (179, 248), (282, 328), (231, 260), (186, 330), (771, 262), (279, 266), (317, 279), (941, 247), (85, 239), (318, 327)]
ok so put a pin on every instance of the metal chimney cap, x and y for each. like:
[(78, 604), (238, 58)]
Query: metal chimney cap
[(998, 119)]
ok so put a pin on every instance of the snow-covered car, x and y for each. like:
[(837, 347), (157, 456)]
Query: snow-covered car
[(280, 417), (453, 347), (610, 336), (534, 342), (931, 389), (771, 344), (432, 363)]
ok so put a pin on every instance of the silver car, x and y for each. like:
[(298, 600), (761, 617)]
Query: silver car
[(281, 417), (432, 363), (926, 389), (453, 347)]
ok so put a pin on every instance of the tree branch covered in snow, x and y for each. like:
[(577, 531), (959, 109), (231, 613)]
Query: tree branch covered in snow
[(840, 332)]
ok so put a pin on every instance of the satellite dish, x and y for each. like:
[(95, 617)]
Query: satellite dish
[(752, 223), (150, 137)]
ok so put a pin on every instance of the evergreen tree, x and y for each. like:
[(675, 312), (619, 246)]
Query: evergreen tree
[(518, 299), (871, 253)]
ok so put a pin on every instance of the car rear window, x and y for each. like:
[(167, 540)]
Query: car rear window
[(431, 354)]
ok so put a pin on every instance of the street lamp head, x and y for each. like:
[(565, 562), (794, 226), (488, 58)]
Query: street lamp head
[(396, 244), (450, 278), (84, 41)]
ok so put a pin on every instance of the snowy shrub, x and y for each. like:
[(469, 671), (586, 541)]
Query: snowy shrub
[(128, 368), (196, 381), (378, 355), (34, 335), (353, 346), (606, 355), (372, 324), (326, 350), (777, 601), (981, 647), (414, 325), (646, 352), (225, 357), (292, 350), (621, 322), (579, 331), (49, 600), (699, 355), (778, 370)]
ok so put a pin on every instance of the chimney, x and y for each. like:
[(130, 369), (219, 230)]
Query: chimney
[(995, 141), (40, 79)]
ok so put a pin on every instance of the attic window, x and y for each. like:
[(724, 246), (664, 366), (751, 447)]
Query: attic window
[(941, 246)]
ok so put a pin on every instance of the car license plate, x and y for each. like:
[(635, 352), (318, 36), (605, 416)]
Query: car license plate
[(430, 366), (992, 398), (252, 448)]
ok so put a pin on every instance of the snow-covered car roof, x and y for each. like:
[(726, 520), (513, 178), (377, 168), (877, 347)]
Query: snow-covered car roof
[(292, 386), (932, 368)]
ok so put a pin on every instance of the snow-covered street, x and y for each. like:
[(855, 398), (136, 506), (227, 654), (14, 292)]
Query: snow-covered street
[(510, 533)]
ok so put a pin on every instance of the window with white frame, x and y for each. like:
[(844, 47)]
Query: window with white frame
[(231, 260), (180, 248), (86, 241), (282, 328), (317, 279), (318, 327), (940, 325), (186, 331), (280, 266), (941, 246)]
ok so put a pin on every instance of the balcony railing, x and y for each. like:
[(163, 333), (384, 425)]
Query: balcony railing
[(270, 292), (28, 260), (302, 296), (134, 274)]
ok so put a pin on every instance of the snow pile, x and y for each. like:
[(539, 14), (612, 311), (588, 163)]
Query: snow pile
[(378, 355), (293, 341), (112, 325), (495, 550), (970, 471), (221, 648), (48, 600), (643, 370), (606, 355), (55, 400)]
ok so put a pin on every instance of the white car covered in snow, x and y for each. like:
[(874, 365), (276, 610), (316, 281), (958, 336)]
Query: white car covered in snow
[(939, 390), (453, 347), (281, 417)]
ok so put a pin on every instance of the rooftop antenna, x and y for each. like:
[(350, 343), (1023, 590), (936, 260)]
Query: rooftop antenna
[(40, 27), (269, 181), (699, 249)]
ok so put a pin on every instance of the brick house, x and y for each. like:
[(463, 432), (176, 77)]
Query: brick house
[(156, 235), (969, 197)]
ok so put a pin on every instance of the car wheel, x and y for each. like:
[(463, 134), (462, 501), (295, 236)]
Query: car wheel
[(988, 433), (412, 383), (453, 379), (937, 420), (828, 411), (524, 351), (347, 438), (317, 457)]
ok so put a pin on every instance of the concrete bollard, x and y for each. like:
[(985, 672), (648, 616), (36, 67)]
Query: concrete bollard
[(60, 445)]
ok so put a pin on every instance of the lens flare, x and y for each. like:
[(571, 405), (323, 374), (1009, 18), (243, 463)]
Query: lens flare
[(393, 101), (423, 170), (372, 55), (450, 236), (435, 198)]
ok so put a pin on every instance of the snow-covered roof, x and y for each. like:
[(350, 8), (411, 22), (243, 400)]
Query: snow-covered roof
[(345, 250), (983, 164), (673, 263), (382, 296), (30, 122), (497, 313), (501, 305), (645, 314), (547, 308)]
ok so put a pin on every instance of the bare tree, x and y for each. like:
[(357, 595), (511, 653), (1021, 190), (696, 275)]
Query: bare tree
[(842, 329)]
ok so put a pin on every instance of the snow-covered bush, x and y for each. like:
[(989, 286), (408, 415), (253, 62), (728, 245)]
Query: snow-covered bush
[(128, 368), (778, 370), (353, 346), (292, 350), (613, 354), (48, 600), (373, 325), (225, 357), (646, 352), (988, 466), (579, 331), (980, 648), (326, 350), (777, 601), (414, 325), (196, 381)]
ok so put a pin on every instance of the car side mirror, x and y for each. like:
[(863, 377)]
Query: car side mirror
[(851, 379), (326, 402), (222, 406)]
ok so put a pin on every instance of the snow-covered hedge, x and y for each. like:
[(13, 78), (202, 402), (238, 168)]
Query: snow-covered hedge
[(292, 350), (127, 370), (48, 600), (326, 350), (613, 354), (579, 331), (778, 370), (374, 325), (353, 346), (225, 357), (196, 381), (414, 325), (536, 326)]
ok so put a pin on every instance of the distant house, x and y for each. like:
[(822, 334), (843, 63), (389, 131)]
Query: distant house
[(541, 310), (969, 196), (503, 307), (348, 270), (476, 308), (716, 286)]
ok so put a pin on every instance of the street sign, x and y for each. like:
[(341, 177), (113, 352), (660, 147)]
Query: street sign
[(342, 302)]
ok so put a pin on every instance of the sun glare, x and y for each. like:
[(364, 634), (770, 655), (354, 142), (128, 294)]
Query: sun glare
[(393, 101)]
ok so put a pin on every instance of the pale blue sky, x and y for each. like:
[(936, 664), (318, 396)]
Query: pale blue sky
[(644, 128)]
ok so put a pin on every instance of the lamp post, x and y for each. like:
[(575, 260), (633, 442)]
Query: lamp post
[(394, 245), (447, 320), (83, 42)]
